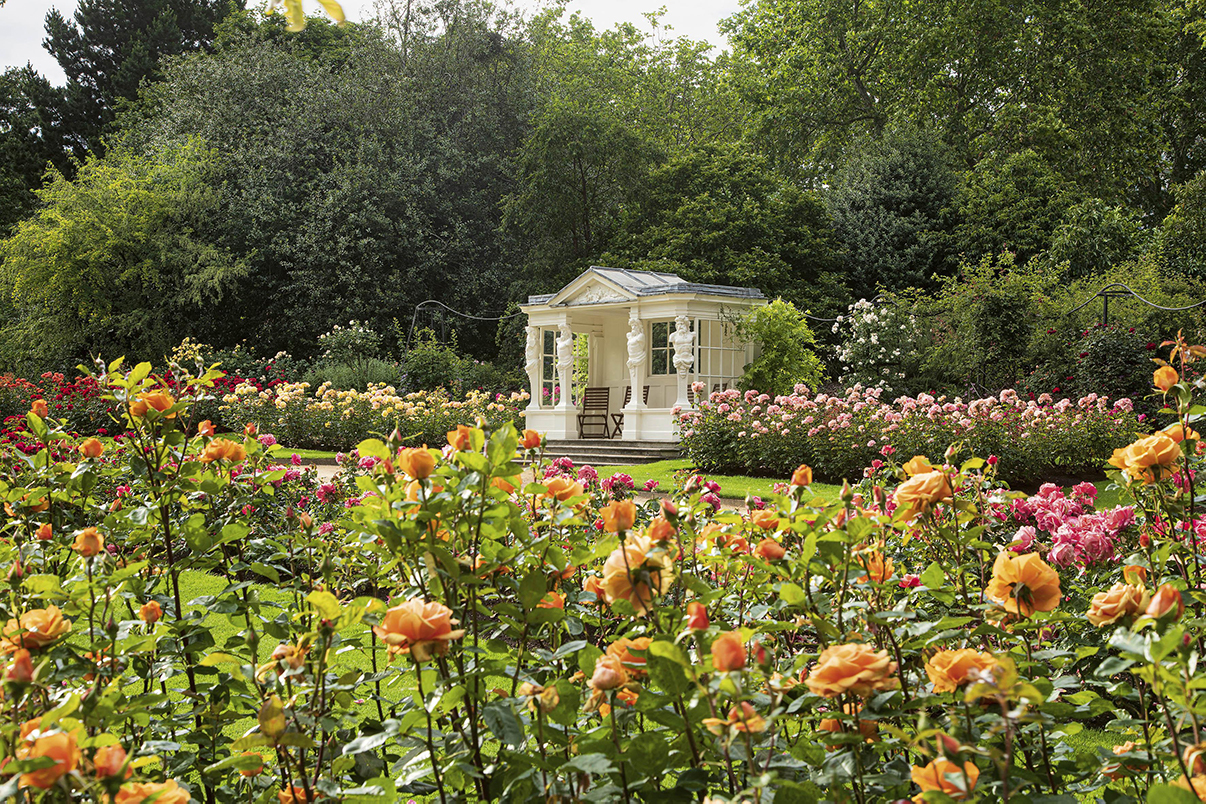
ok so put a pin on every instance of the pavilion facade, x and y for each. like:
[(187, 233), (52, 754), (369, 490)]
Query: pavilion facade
[(619, 353)]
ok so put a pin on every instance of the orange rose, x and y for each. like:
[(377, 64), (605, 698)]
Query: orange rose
[(1197, 784), (1149, 459), (802, 476), (1166, 601), (206, 428), (530, 439), (854, 667), (249, 773), (1165, 377), (422, 629), (920, 493), (293, 795), (1122, 600), (150, 612), (38, 408), (623, 649), (594, 584), (34, 629), (418, 462), (618, 515), (743, 718), (1115, 769), (917, 465), (1179, 432), (767, 520), (609, 673), (91, 448), (1134, 574), (769, 550), (152, 400), (110, 760), (563, 488), (945, 776), (697, 616), (948, 669), (636, 571), (728, 652), (21, 670), (57, 745), (223, 449), (250, 429), (461, 438), (1023, 584), (879, 568), (552, 600), (503, 485), (88, 542), (660, 530), (869, 729), (45, 532)]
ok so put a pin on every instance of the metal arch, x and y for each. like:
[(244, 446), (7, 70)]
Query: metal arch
[(1118, 290), (415, 316), (879, 299)]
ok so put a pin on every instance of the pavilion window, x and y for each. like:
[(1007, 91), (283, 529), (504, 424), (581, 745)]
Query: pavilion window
[(548, 371)]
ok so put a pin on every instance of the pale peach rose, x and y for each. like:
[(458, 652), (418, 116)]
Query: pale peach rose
[(1179, 432), (728, 652), (563, 488), (609, 673), (765, 519), (920, 493), (623, 649), (1166, 601), (851, 668), (1121, 600), (418, 462), (422, 629), (1023, 584), (1165, 377), (57, 745), (769, 550), (110, 760), (88, 542), (869, 729), (618, 515), (223, 449), (949, 669)]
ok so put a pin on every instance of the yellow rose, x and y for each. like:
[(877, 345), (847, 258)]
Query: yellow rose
[(1165, 377), (1149, 459), (917, 465), (855, 668)]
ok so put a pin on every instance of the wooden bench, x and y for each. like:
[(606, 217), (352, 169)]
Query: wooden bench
[(617, 419), (595, 404)]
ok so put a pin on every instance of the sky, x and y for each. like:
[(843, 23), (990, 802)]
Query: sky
[(21, 22)]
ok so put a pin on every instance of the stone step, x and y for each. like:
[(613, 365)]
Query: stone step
[(609, 452)]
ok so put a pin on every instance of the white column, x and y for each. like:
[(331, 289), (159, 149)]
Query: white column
[(532, 357), (565, 365), (683, 341)]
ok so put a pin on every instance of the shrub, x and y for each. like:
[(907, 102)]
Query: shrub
[(358, 375)]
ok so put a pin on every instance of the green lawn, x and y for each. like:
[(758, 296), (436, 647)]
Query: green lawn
[(732, 487)]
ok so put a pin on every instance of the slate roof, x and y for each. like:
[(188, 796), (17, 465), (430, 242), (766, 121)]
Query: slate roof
[(656, 283)]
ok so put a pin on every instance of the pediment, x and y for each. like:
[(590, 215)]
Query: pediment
[(590, 288)]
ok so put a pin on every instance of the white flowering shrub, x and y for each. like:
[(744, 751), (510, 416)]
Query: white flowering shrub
[(353, 343), (880, 346)]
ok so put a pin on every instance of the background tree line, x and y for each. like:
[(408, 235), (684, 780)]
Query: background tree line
[(203, 172)]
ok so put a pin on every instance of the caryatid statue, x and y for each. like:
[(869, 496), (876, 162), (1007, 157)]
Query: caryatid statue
[(683, 341), (532, 364), (565, 363), (636, 359)]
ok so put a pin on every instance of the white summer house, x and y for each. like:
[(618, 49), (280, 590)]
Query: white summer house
[(614, 353)]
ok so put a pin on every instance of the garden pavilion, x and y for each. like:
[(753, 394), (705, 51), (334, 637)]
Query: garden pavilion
[(612, 331)]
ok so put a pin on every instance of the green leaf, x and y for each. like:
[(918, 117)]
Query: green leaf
[(594, 764), (532, 588), (373, 447), (1170, 794), (326, 604), (503, 723), (933, 577), (792, 594), (648, 752), (266, 571)]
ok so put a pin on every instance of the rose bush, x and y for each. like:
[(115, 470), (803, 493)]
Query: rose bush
[(752, 433), (452, 623)]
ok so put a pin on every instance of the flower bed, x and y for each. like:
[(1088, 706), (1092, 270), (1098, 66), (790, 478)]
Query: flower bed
[(334, 419), (751, 433), (427, 624)]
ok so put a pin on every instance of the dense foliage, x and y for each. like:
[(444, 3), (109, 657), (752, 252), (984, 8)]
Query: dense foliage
[(460, 152), (193, 616)]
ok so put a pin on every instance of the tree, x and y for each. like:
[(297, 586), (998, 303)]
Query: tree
[(117, 259), (891, 207), (32, 136), (1182, 235), (718, 214), (110, 46)]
